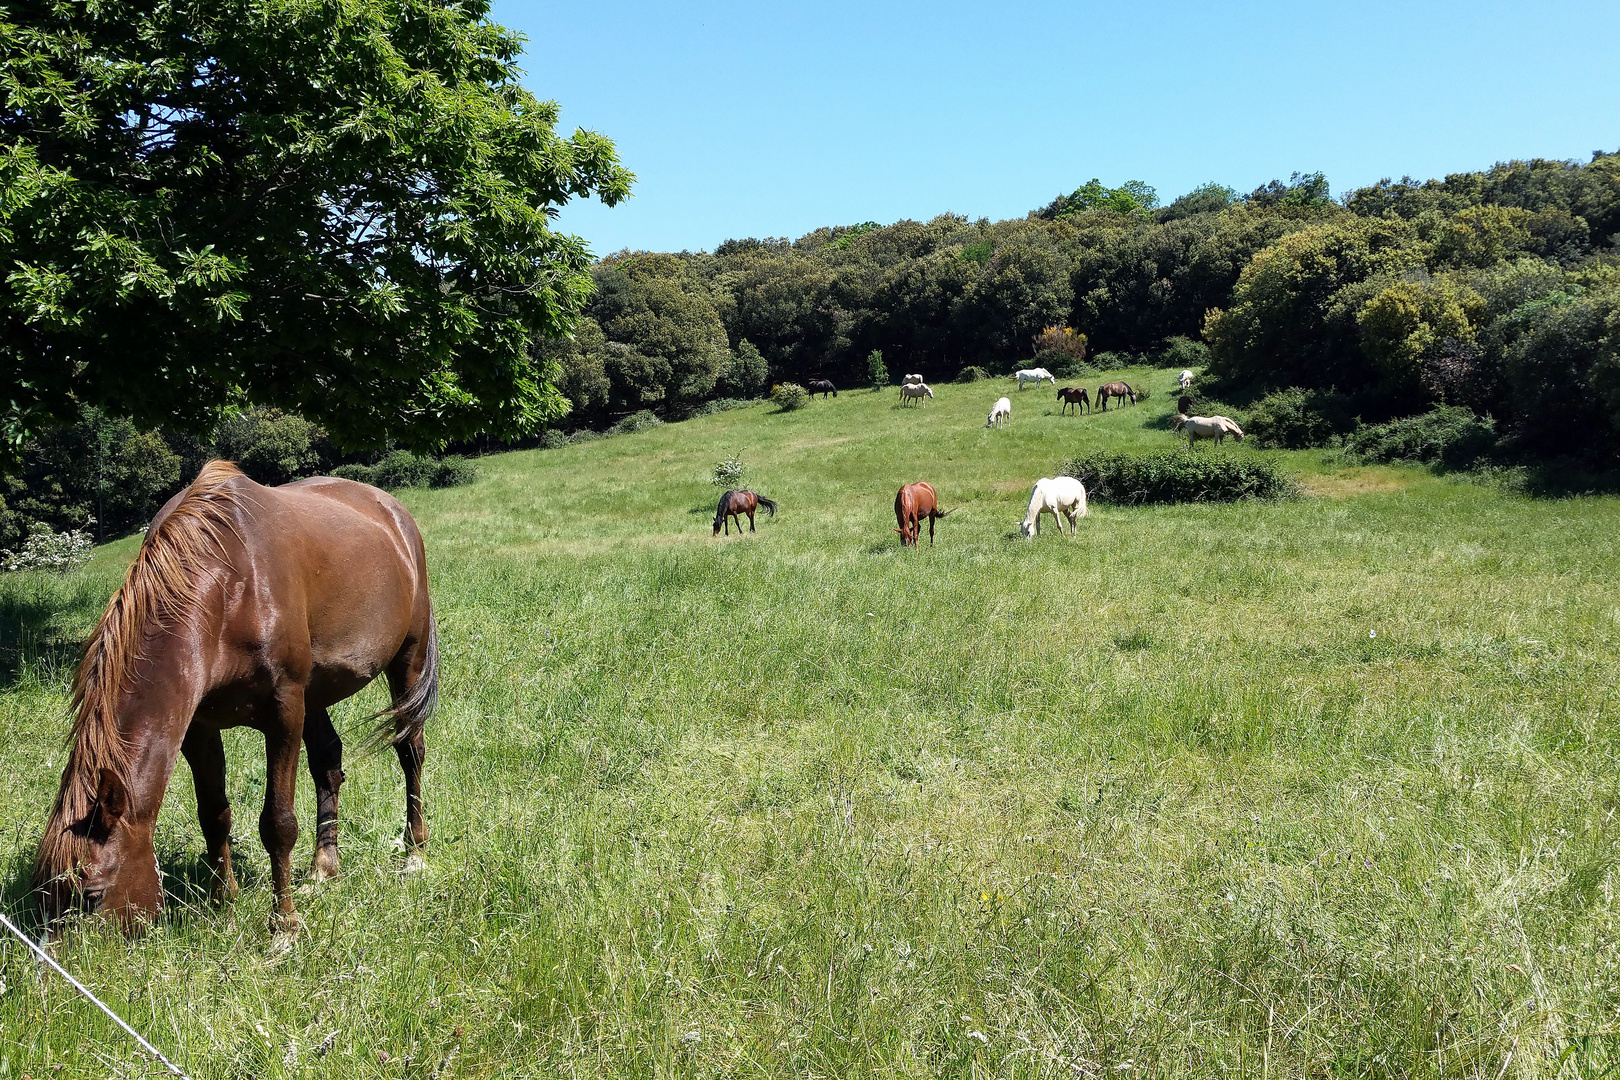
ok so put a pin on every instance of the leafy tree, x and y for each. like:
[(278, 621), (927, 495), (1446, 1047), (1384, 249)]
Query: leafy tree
[(877, 372), (745, 373), (1407, 323), (338, 209), (1304, 190), (1133, 198)]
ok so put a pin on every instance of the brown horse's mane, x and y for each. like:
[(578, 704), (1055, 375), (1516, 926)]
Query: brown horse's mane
[(163, 586)]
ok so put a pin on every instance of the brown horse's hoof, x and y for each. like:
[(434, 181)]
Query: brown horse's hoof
[(223, 892), (414, 863), (325, 867)]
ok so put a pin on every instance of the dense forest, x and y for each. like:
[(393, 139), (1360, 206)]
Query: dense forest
[(1494, 294)]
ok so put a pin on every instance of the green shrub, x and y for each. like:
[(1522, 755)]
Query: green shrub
[(1295, 419), (271, 446), (636, 421), (403, 469), (1175, 476), (1105, 361), (972, 373), (1184, 352), (553, 439), (729, 473), (1062, 364), (1448, 435), (54, 552), (789, 396), (719, 405), (876, 370), (745, 373)]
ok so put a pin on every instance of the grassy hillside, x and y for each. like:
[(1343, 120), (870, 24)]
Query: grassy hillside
[(1324, 787)]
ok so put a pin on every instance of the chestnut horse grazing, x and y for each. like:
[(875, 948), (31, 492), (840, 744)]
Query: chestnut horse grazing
[(912, 504), (246, 605), (1073, 395), (735, 503), (1114, 389)]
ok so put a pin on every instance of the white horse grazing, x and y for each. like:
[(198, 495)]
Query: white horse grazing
[(1186, 379), (1207, 427), (1000, 412), (915, 391), (909, 379), (1055, 495), (1034, 375)]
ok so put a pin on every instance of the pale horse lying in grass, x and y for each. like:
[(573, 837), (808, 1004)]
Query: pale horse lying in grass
[(1207, 427), (1186, 379), (915, 391), (1000, 413), (1034, 375), (1055, 495)]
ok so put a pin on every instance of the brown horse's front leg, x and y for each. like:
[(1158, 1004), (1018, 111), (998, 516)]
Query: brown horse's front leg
[(278, 822), (325, 751), (205, 753)]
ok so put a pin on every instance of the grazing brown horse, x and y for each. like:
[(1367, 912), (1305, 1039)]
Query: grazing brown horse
[(822, 387), (735, 503), (1184, 404), (1114, 389), (912, 504), (1073, 395), (246, 605)]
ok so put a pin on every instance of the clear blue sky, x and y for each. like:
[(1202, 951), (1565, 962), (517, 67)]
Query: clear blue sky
[(772, 119)]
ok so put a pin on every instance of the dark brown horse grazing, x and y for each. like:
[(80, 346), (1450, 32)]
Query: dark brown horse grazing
[(1114, 389), (1073, 395), (252, 606), (734, 503), (822, 387), (1184, 405), (912, 504)]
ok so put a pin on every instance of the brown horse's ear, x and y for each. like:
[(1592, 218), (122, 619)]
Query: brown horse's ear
[(112, 799)]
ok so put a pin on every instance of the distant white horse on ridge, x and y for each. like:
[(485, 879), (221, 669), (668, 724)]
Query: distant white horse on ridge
[(1034, 375)]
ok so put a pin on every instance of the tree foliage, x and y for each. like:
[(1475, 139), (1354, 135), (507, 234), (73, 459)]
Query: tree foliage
[(338, 208)]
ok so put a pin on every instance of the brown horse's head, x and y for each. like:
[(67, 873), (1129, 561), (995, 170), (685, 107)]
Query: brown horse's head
[(103, 863)]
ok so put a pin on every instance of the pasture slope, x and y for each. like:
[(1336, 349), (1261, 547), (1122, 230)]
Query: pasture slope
[(1317, 788)]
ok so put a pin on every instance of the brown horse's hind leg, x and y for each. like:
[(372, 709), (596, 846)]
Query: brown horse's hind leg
[(278, 822), (205, 753), (411, 747), (325, 752), (750, 522)]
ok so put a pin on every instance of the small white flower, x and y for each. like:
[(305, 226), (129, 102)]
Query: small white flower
[(691, 1038), (1372, 633)]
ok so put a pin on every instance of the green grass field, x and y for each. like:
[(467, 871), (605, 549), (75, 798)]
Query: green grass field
[(1316, 788)]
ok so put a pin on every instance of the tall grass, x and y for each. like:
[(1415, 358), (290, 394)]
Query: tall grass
[(1321, 787)]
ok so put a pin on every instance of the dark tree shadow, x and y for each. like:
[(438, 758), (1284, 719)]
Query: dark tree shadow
[(31, 638)]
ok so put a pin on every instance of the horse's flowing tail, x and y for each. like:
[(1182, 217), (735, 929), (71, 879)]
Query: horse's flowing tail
[(405, 718), (769, 504)]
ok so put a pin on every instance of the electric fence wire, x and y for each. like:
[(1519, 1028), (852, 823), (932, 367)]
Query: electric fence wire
[(39, 951)]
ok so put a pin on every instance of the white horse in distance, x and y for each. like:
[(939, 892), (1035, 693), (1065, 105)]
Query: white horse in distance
[(1000, 413), (1186, 379), (1055, 495), (1034, 375), (915, 392), (910, 379), (1207, 427)]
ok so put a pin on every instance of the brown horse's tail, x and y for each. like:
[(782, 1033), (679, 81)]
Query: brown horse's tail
[(769, 504), (404, 719)]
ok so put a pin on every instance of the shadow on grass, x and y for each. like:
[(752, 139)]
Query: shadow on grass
[(30, 638)]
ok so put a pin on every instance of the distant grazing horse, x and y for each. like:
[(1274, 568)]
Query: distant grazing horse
[(1207, 427), (916, 391), (1184, 404), (912, 504), (735, 503), (1114, 389), (1055, 495), (909, 379), (1000, 413), (822, 387), (1186, 379), (1034, 375), (245, 605), (1073, 395)]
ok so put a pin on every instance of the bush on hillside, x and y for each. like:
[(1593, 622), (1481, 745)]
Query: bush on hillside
[(719, 405), (1177, 476), (1449, 436), (271, 446), (1061, 364), (636, 421), (1106, 361), (53, 552), (553, 439), (1184, 352), (789, 396), (403, 469), (1295, 418), (972, 373), (877, 372), (729, 474)]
